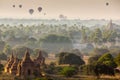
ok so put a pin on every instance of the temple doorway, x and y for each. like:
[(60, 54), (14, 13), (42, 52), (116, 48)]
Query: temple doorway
[(29, 72)]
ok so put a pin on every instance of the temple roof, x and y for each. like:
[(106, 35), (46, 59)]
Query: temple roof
[(26, 60), (10, 62), (14, 65), (40, 54), (27, 55), (12, 57)]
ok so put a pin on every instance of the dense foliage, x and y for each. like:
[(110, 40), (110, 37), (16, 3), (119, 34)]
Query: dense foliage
[(3, 56), (117, 59), (1, 68), (108, 60), (70, 58), (101, 69), (54, 43), (68, 71), (87, 69), (44, 53), (93, 59)]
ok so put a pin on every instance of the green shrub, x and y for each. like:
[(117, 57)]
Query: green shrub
[(68, 71), (108, 60)]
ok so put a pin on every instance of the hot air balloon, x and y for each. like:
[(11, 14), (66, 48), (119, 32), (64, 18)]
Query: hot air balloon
[(14, 6), (61, 16), (107, 4), (39, 9), (44, 13), (20, 6), (31, 11)]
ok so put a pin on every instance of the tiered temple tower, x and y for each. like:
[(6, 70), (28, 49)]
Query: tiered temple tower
[(26, 66), (13, 69), (9, 64)]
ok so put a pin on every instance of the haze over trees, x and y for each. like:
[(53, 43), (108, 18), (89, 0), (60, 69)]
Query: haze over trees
[(53, 38), (70, 43)]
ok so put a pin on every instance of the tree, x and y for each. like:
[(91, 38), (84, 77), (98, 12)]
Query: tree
[(50, 68), (44, 53), (112, 36), (97, 38), (2, 44), (73, 59), (100, 51), (87, 69), (60, 56), (84, 35), (117, 59), (90, 46), (31, 42), (77, 52), (103, 69), (1, 68), (114, 50), (7, 50), (93, 59), (70, 58), (3, 56), (68, 71), (53, 43), (107, 59), (105, 35)]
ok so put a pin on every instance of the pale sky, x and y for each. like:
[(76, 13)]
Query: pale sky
[(73, 9)]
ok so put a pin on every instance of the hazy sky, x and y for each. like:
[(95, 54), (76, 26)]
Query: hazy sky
[(73, 9)]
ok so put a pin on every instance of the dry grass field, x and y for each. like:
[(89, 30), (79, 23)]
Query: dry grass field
[(6, 77), (60, 77), (84, 77)]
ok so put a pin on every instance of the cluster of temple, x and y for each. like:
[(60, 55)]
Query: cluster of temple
[(25, 66)]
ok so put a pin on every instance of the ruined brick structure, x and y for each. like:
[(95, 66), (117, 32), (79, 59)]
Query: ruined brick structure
[(26, 66)]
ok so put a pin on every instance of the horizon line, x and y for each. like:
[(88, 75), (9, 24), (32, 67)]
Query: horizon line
[(55, 19)]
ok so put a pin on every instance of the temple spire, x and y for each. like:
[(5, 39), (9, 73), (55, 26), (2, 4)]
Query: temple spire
[(27, 55), (40, 54), (109, 25), (12, 56)]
